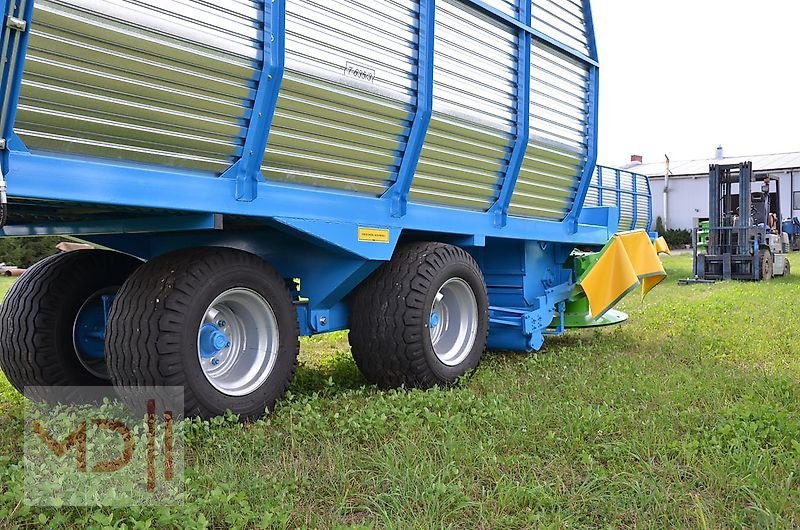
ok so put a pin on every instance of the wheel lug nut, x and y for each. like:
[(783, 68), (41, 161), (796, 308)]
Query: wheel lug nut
[(215, 362), (222, 323)]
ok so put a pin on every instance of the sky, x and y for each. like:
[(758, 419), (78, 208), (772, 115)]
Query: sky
[(680, 77)]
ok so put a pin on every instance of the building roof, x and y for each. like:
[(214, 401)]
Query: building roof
[(761, 163)]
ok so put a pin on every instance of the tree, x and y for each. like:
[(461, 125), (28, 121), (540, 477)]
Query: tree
[(660, 226), (24, 252)]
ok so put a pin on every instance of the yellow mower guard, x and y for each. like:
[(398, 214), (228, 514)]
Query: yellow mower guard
[(628, 260)]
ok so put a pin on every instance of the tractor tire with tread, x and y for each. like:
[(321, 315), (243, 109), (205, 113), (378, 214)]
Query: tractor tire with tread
[(152, 337), (390, 333), (38, 316)]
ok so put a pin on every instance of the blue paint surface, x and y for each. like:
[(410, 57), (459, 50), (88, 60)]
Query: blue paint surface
[(313, 234), (90, 328)]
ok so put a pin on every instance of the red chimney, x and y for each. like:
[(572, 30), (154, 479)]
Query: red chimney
[(637, 159)]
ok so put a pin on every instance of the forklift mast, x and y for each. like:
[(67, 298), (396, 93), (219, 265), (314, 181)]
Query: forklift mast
[(730, 226)]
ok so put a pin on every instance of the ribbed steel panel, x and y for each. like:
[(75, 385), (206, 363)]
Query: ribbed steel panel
[(173, 83), (473, 126), (562, 20), (630, 192), (557, 149), (644, 203), (347, 95), (141, 80), (626, 211), (508, 7)]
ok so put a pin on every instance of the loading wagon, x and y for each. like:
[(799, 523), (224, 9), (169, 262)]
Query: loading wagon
[(420, 172)]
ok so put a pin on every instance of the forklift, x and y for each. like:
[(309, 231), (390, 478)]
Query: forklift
[(745, 233)]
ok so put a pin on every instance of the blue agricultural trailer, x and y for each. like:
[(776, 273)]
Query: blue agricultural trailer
[(420, 172)]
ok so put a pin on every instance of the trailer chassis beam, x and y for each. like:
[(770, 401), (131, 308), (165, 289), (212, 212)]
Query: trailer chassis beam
[(133, 225)]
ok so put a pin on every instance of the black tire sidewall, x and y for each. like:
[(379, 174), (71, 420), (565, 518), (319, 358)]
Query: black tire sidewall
[(767, 265), (75, 278), (255, 403), (465, 271)]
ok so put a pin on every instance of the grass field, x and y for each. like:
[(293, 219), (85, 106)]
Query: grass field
[(686, 416)]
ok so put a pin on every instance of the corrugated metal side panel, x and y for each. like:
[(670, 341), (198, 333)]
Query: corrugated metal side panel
[(629, 200), (557, 150), (509, 7), (626, 211), (644, 203), (630, 192), (562, 20), (627, 181), (610, 195), (347, 95), (472, 130), (616, 188), (141, 80), (593, 193)]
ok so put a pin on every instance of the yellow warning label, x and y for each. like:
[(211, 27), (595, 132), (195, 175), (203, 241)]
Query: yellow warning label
[(373, 235)]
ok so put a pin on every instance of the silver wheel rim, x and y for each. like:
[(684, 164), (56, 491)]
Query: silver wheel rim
[(243, 360), (453, 322)]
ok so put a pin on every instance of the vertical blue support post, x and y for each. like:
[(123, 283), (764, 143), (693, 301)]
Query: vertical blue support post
[(599, 186), (509, 182), (13, 49), (592, 129), (5, 36), (635, 201), (400, 190), (649, 204), (15, 29), (618, 180), (247, 170)]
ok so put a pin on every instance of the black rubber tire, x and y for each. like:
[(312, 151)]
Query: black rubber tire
[(389, 324), (153, 326), (787, 269), (38, 315), (767, 264)]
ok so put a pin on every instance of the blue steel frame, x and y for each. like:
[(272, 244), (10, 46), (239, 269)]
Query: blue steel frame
[(247, 170), (10, 85), (400, 190), (500, 208), (320, 226), (118, 184), (592, 124), (52, 177)]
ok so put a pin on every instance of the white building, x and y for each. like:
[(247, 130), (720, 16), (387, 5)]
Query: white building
[(687, 197)]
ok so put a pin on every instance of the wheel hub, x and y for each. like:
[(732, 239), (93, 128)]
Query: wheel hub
[(237, 342), (454, 322), (89, 331), (212, 341)]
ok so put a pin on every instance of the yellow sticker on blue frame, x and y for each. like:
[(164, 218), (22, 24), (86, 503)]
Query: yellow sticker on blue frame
[(373, 235)]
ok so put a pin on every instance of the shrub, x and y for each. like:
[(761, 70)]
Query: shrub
[(678, 238)]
